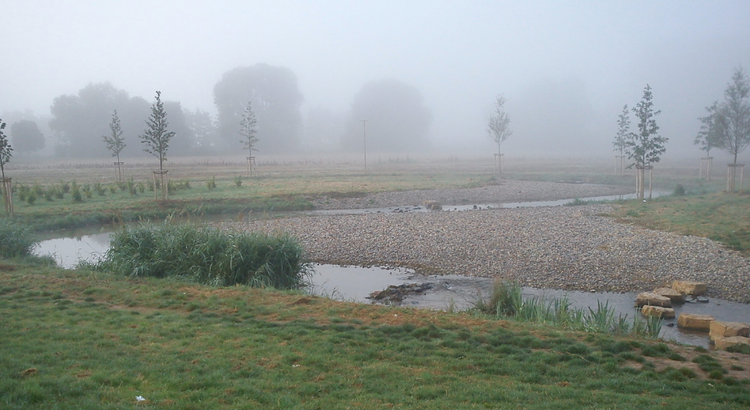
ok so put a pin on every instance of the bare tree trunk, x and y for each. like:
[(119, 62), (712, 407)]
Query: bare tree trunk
[(7, 188)]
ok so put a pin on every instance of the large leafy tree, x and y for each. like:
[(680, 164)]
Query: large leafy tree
[(6, 151), (732, 118), (156, 136), (202, 127), (81, 120), (26, 136), (498, 126), (276, 99), (397, 118)]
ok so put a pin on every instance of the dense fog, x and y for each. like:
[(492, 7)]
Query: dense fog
[(414, 76)]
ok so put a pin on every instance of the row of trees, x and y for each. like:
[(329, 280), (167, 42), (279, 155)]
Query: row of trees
[(400, 121), (727, 125)]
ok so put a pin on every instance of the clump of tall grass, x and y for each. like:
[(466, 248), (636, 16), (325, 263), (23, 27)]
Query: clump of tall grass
[(208, 255), (15, 239), (506, 301)]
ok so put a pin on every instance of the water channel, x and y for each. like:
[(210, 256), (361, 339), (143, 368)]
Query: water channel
[(354, 283)]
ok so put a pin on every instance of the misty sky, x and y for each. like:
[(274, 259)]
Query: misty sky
[(565, 67)]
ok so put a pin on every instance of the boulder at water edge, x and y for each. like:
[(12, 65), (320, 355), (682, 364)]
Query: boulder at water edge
[(658, 311), (720, 329), (724, 342), (652, 299), (673, 295), (689, 287), (694, 321)]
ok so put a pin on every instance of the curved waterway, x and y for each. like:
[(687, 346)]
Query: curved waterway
[(450, 292)]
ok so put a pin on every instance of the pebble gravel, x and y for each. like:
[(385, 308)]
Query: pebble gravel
[(564, 247)]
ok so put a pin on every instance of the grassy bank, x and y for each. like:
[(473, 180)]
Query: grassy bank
[(95, 340), (75, 203), (722, 217)]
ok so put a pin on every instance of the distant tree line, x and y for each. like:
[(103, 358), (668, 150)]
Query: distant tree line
[(398, 118)]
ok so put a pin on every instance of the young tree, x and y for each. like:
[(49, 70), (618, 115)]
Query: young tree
[(708, 135), (247, 129), (115, 142), (5, 154), (623, 130), (733, 118), (5, 149), (498, 127), (646, 146), (156, 137)]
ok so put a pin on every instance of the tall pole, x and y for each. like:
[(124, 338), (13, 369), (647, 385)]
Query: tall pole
[(364, 134)]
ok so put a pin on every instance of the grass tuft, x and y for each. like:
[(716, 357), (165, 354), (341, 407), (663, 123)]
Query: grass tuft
[(207, 255)]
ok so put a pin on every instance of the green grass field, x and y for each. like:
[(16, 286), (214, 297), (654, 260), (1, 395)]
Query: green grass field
[(96, 341), (79, 339)]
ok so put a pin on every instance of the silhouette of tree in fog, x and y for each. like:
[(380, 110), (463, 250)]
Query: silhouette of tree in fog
[(498, 126), (27, 137), (186, 144), (708, 136), (276, 100), (733, 116), (397, 119), (80, 120), (203, 129)]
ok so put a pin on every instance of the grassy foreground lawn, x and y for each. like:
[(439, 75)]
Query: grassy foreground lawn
[(81, 340)]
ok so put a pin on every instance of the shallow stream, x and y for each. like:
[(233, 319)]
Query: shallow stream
[(451, 292)]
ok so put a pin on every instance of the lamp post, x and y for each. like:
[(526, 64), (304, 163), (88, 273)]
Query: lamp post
[(364, 135)]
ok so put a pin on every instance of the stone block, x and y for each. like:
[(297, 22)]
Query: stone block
[(689, 287), (659, 311), (433, 205), (724, 342), (728, 329), (695, 322), (652, 299), (673, 295)]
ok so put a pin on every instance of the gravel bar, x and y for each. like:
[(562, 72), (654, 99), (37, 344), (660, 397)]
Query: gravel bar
[(571, 248)]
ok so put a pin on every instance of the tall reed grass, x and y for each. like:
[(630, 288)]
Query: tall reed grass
[(207, 255), (506, 301), (15, 239)]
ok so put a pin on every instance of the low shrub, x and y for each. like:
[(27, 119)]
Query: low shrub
[(207, 255)]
